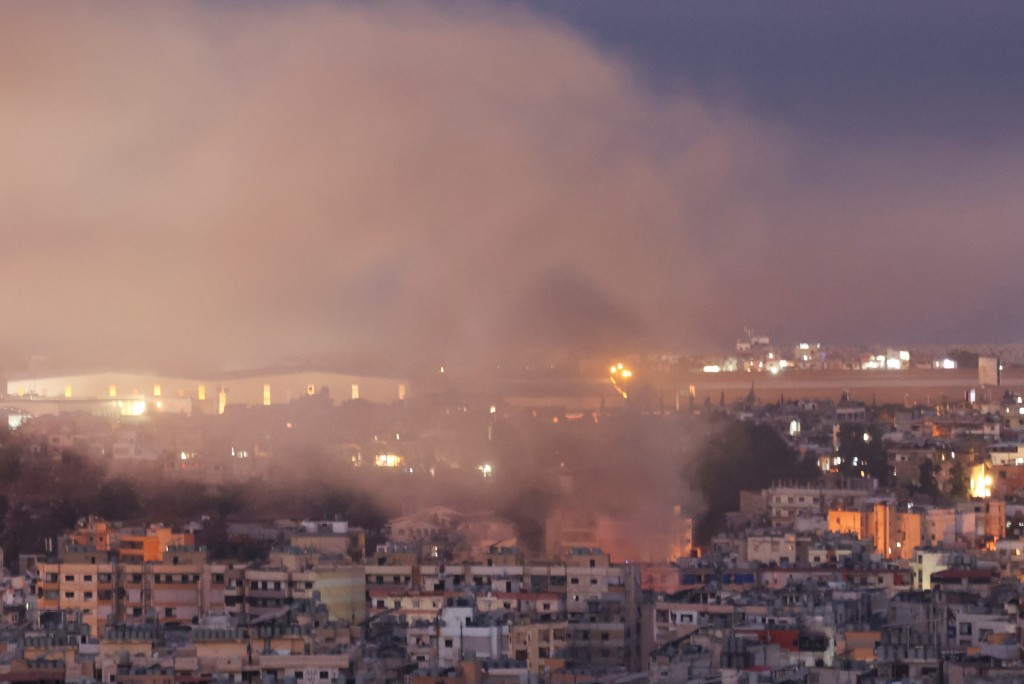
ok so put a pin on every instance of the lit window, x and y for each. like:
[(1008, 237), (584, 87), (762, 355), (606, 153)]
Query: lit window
[(266, 395)]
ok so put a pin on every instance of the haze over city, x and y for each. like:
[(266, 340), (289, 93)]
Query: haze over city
[(230, 184), (511, 342)]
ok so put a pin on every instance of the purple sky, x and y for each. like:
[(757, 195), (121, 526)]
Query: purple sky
[(225, 183)]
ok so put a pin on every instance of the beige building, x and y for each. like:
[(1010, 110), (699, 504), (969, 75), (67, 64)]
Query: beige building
[(136, 394)]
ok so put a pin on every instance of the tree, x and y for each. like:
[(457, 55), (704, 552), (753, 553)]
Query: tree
[(863, 453), (958, 485), (926, 478), (117, 500), (10, 465), (742, 456)]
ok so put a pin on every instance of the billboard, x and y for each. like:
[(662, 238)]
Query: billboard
[(988, 371)]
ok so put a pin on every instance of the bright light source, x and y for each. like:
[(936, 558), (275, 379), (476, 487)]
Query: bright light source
[(712, 369), (893, 364), (132, 408), (494, 409), (387, 460), (486, 469), (904, 356), (627, 373), (948, 364)]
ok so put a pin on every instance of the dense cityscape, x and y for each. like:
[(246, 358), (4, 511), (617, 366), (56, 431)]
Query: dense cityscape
[(459, 530), (511, 342)]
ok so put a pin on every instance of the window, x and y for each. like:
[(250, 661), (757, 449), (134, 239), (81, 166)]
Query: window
[(87, 578), (88, 595), (69, 578), (448, 643), (69, 594)]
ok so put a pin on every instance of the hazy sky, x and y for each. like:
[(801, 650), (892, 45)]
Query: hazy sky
[(230, 183)]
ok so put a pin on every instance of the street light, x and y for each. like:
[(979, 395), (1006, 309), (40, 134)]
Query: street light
[(619, 373)]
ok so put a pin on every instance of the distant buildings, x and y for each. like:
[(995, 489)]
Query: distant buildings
[(130, 394)]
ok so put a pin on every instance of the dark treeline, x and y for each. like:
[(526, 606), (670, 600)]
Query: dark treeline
[(741, 456), (43, 495), (631, 468)]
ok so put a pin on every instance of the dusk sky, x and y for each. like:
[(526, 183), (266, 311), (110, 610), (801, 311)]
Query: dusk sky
[(232, 183)]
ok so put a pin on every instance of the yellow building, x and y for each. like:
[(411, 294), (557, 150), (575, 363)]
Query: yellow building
[(894, 533), (85, 588), (843, 521), (151, 546)]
